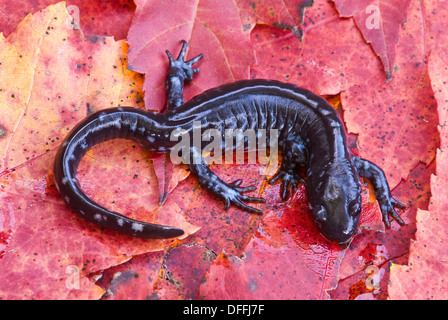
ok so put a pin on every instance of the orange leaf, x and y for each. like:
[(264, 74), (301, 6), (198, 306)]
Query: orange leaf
[(51, 78)]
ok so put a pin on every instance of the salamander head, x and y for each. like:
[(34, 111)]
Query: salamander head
[(337, 206)]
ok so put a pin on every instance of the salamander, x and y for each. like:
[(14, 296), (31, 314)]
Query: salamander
[(310, 133)]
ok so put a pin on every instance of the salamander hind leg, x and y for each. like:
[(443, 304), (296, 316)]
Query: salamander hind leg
[(179, 71), (231, 193), (378, 179), (295, 156)]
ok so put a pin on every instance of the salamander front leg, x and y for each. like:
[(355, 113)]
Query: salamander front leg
[(376, 175), (179, 72), (231, 193), (295, 155)]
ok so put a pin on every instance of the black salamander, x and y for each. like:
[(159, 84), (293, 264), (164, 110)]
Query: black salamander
[(310, 133)]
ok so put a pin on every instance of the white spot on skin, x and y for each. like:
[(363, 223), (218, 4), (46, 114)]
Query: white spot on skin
[(117, 124), (116, 275), (67, 199), (334, 124), (120, 222), (137, 227), (82, 212), (97, 217), (64, 180), (101, 116), (84, 145)]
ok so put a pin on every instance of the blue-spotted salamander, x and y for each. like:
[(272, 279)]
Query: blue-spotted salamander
[(310, 133)]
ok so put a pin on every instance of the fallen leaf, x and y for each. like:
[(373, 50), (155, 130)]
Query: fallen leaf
[(404, 130), (436, 38), (380, 24), (168, 175), (328, 65), (52, 77), (105, 18), (134, 279), (285, 15), (423, 277), (371, 252), (276, 270), (287, 258), (158, 26), (229, 230), (318, 63)]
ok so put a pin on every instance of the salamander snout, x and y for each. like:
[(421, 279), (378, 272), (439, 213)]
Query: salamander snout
[(335, 225), (338, 209)]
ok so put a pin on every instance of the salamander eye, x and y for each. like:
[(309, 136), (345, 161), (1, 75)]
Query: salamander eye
[(354, 208)]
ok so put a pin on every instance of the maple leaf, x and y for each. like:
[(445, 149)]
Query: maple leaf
[(427, 258), (285, 15), (52, 77), (421, 277), (385, 117), (226, 44), (105, 18), (379, 22)]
